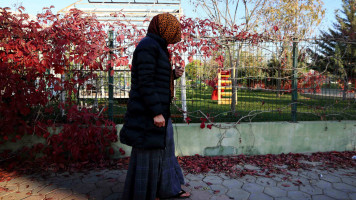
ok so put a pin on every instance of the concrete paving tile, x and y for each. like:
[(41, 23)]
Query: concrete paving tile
[(282, 198), (107, 183), (16, 195), (294, 173), (337, 194), (223, 176), (200, 195), (7, 190), (232, 183), (119, 187), (322, 197), (288, 186), (310, 189), (34, 197), (265, 181), (349, 180), (39, 188), (213, 179), (186, 180), (322, 184), (303, 180), (298, 195), (194, 177), (31, 186), (310, 163), (344, 187), (122, 178), (218, 189), (45, 190), (248, 179), (259, 196), (83, 188), (238, 194), (197, 184), (90, 179), (76, 197), (220, 197), (331, 178), (67, 183), (309, 175), (114, 196), (352, 196), (100, 193), (346, 171), (59, 194), (278, 177), (275, 192), (185, 188), (253, 188), (252, 167)]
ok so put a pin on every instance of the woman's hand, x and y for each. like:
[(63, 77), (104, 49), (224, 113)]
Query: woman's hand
[(159, 121), (179, 71)]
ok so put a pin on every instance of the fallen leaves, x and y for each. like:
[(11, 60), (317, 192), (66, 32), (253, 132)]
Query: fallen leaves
[(267, 164), (230, 165)]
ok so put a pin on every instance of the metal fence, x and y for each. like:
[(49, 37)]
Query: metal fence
[(270, 81)]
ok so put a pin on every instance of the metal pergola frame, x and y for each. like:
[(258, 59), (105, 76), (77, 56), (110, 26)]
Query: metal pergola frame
[(135, 11)]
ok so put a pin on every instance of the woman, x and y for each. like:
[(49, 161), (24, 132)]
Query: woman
[(153, 169)]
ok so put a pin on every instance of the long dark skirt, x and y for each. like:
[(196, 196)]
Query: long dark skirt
[(153, 173)]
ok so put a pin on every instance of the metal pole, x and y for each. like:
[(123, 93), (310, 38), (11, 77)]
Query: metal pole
[(111, 79), (183, 89), (294, 81)]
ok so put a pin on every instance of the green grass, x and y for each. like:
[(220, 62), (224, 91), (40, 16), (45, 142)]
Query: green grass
[(274, 108)]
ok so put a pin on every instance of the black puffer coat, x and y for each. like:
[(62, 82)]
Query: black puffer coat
[(149, 96)]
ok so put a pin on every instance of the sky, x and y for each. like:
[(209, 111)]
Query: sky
[(35, 6)]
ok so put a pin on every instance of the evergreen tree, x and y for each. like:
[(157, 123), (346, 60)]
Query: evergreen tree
[(337, 47)]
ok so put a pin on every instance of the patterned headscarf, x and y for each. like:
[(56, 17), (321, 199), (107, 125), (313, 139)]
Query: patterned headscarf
[(167, 26)]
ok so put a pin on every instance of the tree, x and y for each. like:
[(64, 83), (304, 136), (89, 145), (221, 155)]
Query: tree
[(285, 21), (337, 48), (288, 19), (227, 14)]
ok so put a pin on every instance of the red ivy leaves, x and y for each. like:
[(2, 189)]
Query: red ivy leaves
[(87, 138), (122, 151), (188, 120), (202, 125), (209, 126)]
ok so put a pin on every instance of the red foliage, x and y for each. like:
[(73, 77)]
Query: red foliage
[(86, 137), (29, 49), (34, 53)]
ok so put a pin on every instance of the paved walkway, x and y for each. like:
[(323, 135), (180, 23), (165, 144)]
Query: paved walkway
[(108, 185)]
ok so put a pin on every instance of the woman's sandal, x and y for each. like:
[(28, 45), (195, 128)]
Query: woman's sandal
[(179, 195)]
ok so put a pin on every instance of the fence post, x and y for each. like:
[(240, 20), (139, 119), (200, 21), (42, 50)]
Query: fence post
[(295, 81), (111, 80), (183, 89)]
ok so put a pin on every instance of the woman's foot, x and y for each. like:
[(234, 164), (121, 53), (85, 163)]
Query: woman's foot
[(181, 195), (184, 194)]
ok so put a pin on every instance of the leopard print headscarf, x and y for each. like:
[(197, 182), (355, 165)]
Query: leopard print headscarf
[(167, 26)]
